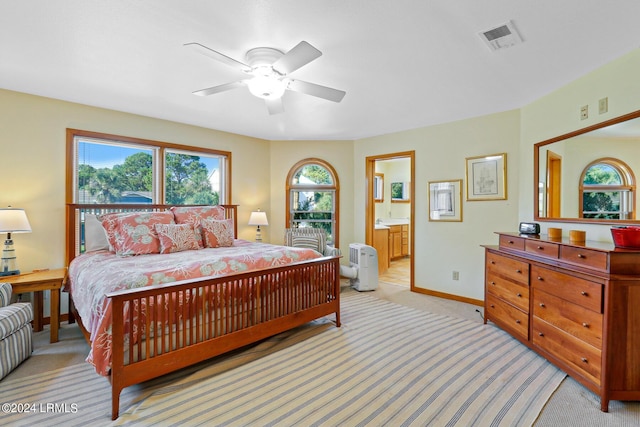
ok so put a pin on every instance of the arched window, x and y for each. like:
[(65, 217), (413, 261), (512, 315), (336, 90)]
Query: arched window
[(313, 194), (607, 190)]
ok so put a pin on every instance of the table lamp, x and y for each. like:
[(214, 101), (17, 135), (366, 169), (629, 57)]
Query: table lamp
[(12, 220), (258, 218)]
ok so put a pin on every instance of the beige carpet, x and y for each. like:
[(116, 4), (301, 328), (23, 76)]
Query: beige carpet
[(372, 371)]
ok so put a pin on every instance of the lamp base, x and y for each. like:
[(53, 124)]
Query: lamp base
[(10, 273)]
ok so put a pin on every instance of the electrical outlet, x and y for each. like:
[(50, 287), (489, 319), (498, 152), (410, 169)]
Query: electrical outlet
[(603, 105), (456, 275), (584, 112)]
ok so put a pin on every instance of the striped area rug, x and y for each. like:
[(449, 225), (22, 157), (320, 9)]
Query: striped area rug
[(388, 365)]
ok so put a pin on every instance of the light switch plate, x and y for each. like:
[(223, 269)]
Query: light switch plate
[(603, 105)]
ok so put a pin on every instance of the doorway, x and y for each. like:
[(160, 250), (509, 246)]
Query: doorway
[(390, 214), (554, 184)]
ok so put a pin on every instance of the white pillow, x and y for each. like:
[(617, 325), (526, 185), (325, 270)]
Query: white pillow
[(95, 237)]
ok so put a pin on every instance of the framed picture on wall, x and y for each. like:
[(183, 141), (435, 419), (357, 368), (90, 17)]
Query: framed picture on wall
[(487, 177), (445, 200)]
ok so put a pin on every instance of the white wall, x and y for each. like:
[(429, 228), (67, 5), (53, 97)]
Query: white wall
[(558, 113), (442, 247)]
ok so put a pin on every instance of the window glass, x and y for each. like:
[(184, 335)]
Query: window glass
[(607, 190), (313, 197), (113, 173), (192, 179)]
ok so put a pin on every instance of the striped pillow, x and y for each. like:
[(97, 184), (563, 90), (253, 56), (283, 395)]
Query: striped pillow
[(309, 242), (5, 294)]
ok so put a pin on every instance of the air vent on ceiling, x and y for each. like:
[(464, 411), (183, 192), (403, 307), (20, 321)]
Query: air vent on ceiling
[(501, 37)]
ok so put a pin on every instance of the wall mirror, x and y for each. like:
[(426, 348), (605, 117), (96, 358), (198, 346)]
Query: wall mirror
[(400, 192), (559, 172), (378, 188)]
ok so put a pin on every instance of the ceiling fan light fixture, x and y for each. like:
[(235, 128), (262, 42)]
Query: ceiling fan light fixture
[(267, 87)]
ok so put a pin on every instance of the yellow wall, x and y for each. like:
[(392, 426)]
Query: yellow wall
[(440, 152), (32, 143), (285, 154), (558, 113)]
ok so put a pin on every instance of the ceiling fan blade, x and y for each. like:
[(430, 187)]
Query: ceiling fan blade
[(203, 50), (220, 88), (313, 89), (300, 55), (274, 106)]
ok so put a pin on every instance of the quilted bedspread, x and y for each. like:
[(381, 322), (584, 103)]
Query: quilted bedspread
[(93, 275)]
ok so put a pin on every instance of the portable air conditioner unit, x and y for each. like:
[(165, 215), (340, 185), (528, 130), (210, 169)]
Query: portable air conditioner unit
[(363, 260)]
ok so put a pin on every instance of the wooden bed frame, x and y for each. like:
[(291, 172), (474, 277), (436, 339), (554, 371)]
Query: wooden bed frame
[(217, 315)]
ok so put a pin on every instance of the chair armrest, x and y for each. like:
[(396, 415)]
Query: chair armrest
[(332, 251)]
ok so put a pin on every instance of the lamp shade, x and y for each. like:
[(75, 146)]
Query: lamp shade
[(14, 220), (258, 218)]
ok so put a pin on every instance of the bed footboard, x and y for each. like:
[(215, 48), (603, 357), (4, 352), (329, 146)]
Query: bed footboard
[(163, 328)]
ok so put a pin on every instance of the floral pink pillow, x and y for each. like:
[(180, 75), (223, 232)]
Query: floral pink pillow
[(134, 233), (176, 238), (195, 214), (217, 233)]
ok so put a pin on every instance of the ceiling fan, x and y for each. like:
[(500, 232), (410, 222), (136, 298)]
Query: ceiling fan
[(269, 69)]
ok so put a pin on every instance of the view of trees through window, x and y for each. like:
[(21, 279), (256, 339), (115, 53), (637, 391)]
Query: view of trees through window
[(117, 173), (312, 199), (604, 194)]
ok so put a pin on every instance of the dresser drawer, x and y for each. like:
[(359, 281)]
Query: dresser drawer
[(571, 318), (507, 316), (577, 354), (582, 292), (584, 257), (515, 270), (505, 289), (511, 242), (545, 249)]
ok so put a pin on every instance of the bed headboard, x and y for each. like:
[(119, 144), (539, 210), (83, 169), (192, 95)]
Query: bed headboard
[(75, 214)]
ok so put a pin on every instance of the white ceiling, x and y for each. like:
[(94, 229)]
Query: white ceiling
[(404, 63)]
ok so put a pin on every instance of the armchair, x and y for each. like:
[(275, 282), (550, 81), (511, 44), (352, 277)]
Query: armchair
[(16, 340), (313, 238)]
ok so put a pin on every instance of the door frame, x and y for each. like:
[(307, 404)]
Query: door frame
[(370, 220)]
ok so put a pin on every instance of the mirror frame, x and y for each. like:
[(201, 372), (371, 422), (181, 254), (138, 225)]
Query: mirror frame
[(536, 172)]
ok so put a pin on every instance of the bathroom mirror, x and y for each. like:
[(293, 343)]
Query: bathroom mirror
[(400, 192), (378, 188), (560, 164)]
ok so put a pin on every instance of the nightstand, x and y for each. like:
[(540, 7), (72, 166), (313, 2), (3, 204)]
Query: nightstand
[(37, 282)]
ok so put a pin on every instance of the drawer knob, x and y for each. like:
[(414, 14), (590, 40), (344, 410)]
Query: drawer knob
[(540, 278), (585, 324), (493, 262), (511, 242), (584, 293), (540, 334), (517, 321), (492, 283), (492, 306), (540, 248), (519, 294), (541, 304), (581, 256), (518, 271), (584, 359)]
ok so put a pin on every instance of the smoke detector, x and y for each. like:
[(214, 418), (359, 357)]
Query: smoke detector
[(501, 37)]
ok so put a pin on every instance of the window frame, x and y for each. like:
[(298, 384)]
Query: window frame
[(627, 188), (159, 149), (335, 187)]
